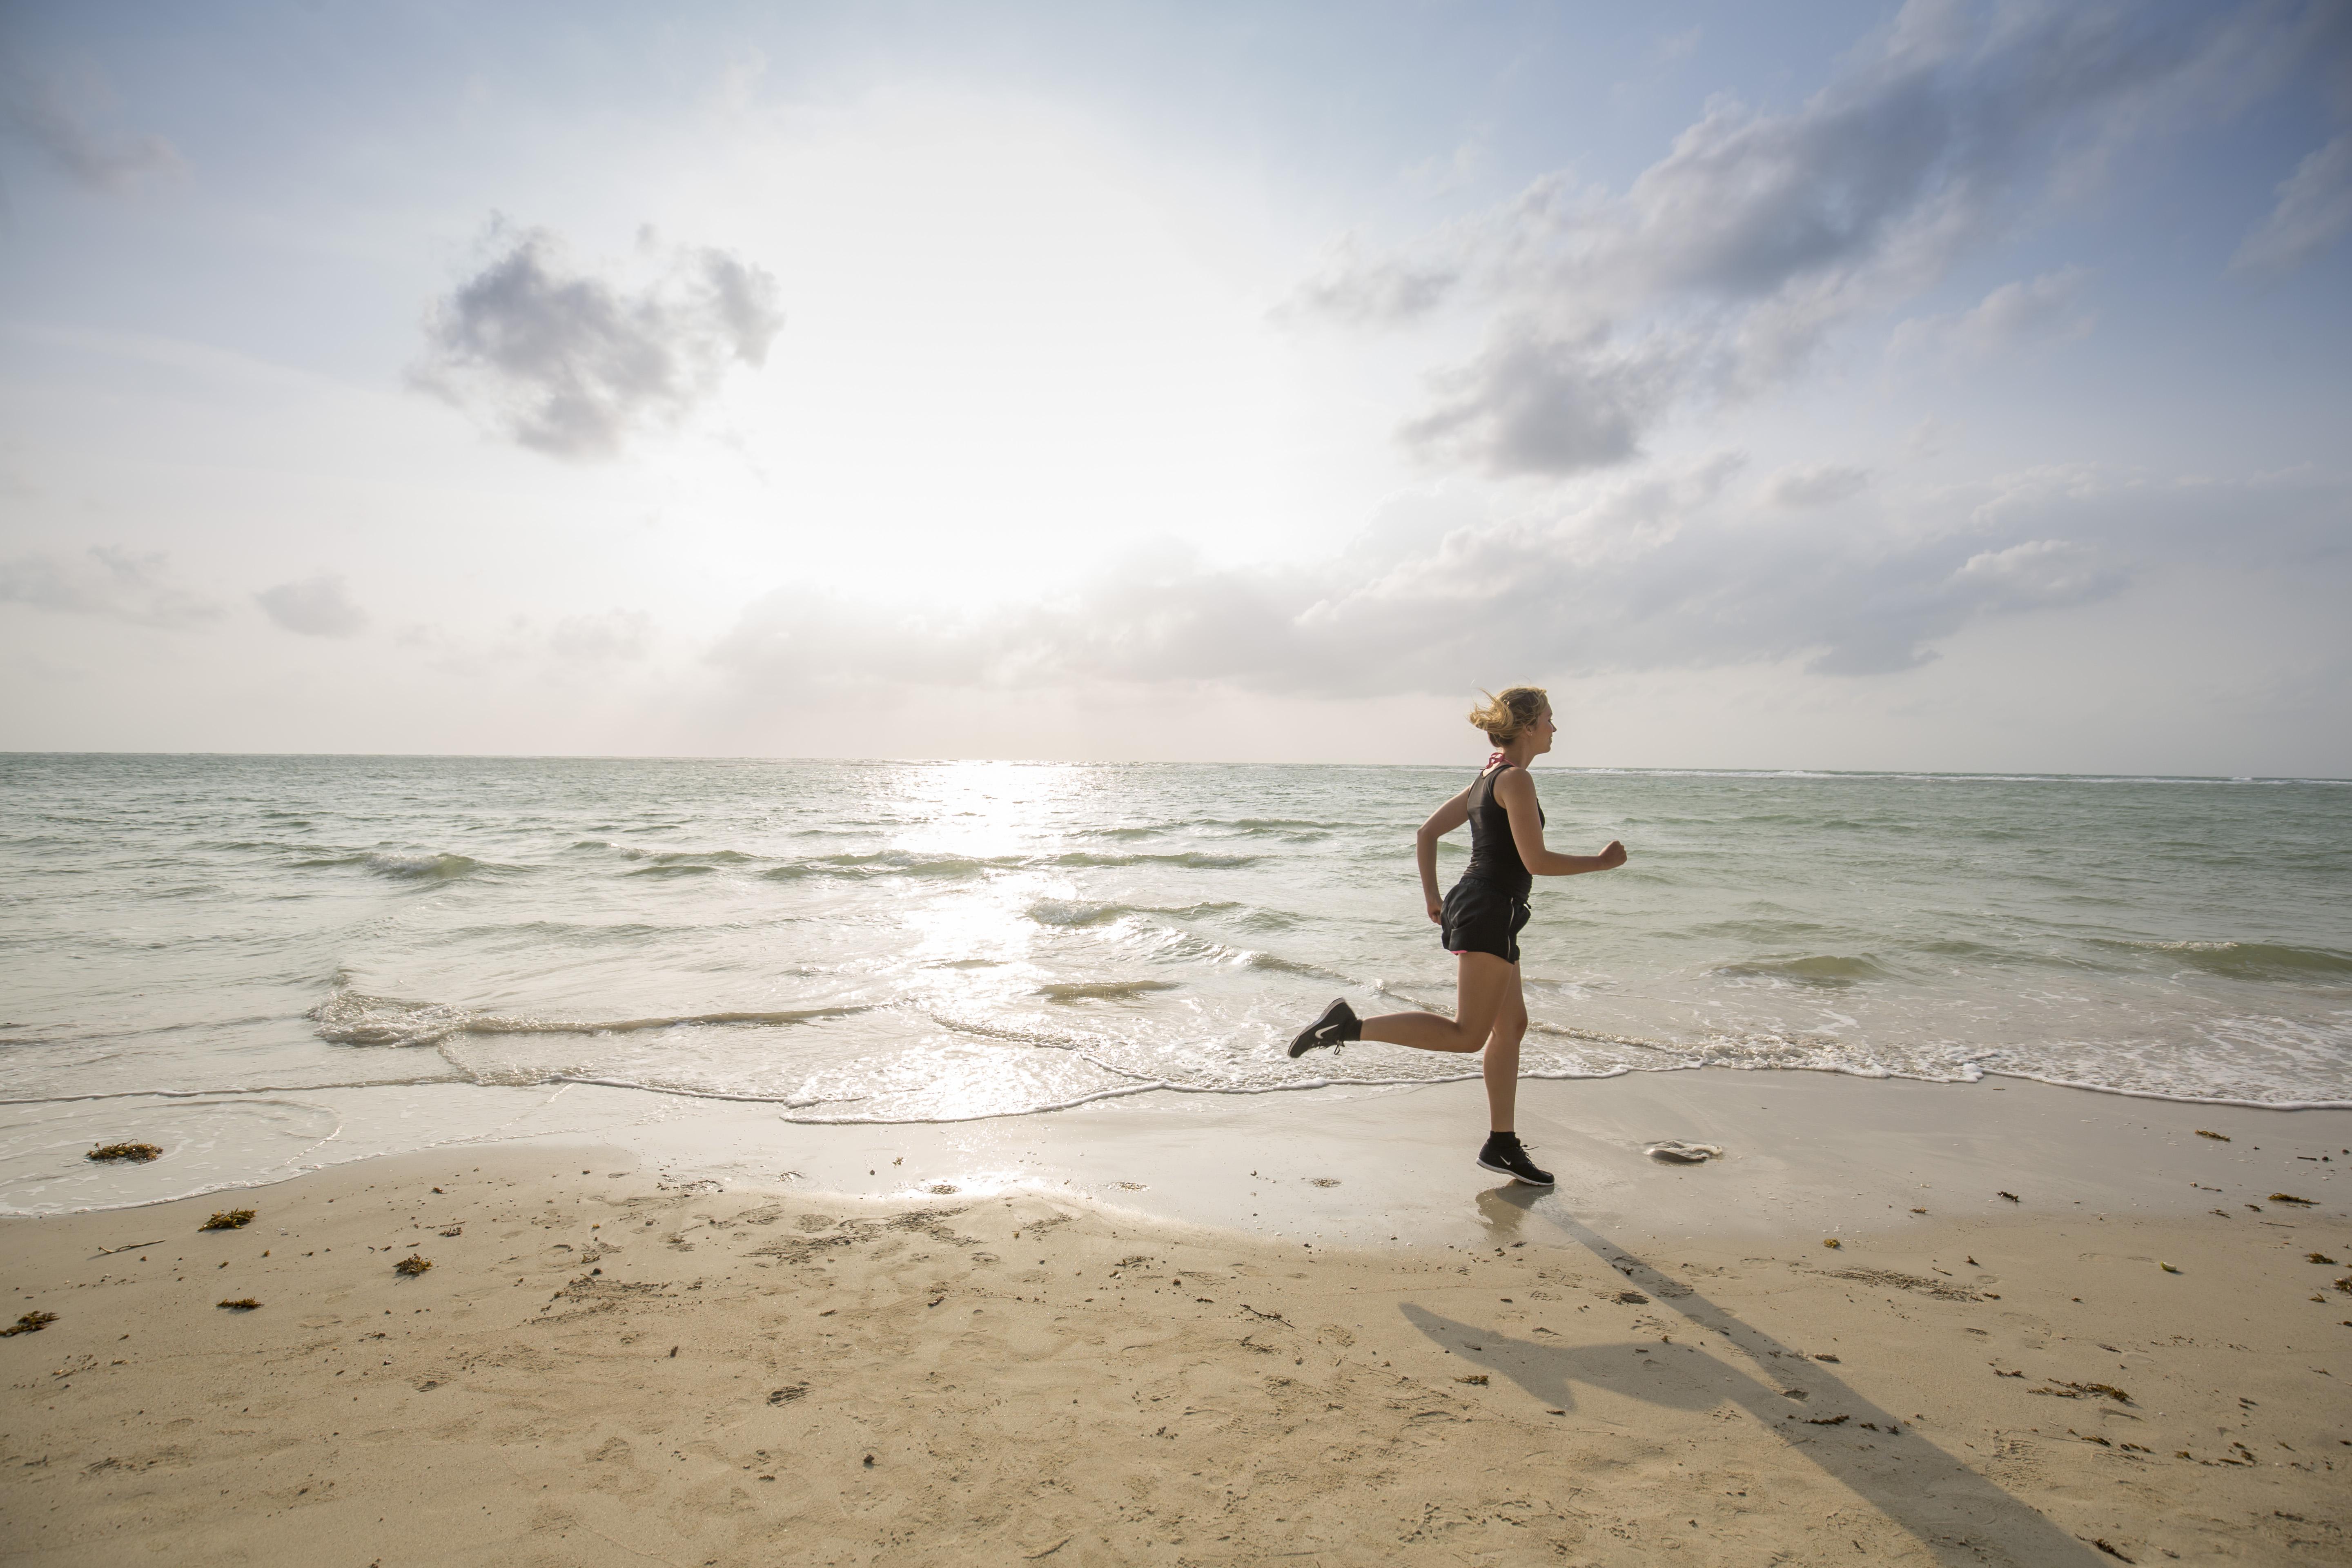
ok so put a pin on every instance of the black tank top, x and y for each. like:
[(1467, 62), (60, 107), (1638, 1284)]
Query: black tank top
[(1494, 857)]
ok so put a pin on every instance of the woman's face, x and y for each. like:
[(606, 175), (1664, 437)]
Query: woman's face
[(1543, 730)]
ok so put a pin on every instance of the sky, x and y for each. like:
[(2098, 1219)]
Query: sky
[(1942, 385)]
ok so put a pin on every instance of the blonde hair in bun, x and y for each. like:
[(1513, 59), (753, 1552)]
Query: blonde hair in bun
[(1508, 713)]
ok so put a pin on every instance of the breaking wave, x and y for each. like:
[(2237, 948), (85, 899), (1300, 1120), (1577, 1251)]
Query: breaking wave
[(353, 1018), (405, 865), (1826, 969), (2248, 960)]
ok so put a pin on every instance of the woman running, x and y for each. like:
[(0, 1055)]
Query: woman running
[(1481, 920)]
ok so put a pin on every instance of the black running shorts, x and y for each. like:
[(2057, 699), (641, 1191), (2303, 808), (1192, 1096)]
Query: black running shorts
[(1480, 917)]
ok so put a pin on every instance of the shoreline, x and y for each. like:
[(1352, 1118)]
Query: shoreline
[(1446, 765), (1826, 1150), (611, 1359)]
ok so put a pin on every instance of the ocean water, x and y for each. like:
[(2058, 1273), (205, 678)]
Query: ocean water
[(889, 942)]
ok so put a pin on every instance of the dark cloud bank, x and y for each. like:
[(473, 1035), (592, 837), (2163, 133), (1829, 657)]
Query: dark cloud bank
[(573, 365), (1692, 568)]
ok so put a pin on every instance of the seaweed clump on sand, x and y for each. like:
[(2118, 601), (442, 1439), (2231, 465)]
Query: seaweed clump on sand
[(2065, 1389), (412, 1265), (30, 1323), (140, 1152), (2291, 1198), (228, 1219), (242, 1304)]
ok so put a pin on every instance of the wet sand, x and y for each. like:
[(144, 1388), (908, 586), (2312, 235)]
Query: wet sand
[(1090, 1350)]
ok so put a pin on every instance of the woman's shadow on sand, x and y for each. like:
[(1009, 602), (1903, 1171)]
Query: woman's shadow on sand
[(1954, 1511), (1660, 1374)]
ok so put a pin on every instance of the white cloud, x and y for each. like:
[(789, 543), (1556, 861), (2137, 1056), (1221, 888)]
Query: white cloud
[(2314, 208), (105, 580), (573, 365), (315, 607), (2037, 575), (1365, 288), (2039, 309), (1722, 266), (2018, 315), (40, 112)]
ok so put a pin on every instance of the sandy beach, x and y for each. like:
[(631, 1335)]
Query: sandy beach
[(1169, 1332)]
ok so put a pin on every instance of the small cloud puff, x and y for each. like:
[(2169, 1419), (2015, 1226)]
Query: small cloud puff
[(2023, 314), (41, 114), (572, 364), (1541, 403), (2039, 310), (2038, 574), (316, 607), (2314, 208)]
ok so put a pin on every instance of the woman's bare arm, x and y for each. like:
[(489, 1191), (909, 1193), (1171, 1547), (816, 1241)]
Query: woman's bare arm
[(1442, 821), (1517, 791)]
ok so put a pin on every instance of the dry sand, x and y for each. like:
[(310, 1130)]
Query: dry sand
[(608, 1363)]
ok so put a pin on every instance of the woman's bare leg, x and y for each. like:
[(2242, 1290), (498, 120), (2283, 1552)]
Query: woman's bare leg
[(1483, 983), (1502, 1064)]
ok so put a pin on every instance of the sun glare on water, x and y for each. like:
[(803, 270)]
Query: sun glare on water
[(982, 829)]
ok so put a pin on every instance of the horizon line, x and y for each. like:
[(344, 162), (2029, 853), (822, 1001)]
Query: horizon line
[(2019, 773)]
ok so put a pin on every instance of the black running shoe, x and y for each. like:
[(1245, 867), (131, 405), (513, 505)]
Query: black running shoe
[(1338, 1026), (1504, 1154)]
